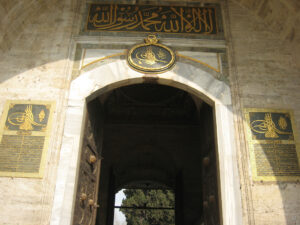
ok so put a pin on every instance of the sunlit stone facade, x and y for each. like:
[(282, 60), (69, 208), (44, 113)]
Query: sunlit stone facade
[(255, 63)]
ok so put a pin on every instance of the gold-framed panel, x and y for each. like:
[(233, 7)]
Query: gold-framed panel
[(151, 57), (145, 25), (25, 128), (273, 145)]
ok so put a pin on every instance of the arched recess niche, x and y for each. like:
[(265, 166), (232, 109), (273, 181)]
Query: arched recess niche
[(101, 79)]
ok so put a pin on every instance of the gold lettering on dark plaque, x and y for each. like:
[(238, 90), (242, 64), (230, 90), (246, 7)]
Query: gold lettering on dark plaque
[(150, 18), (274, 153), (24, 138), (276, 160)]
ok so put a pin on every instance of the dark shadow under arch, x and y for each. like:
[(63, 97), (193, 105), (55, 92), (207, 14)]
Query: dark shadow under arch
[(166, 137)]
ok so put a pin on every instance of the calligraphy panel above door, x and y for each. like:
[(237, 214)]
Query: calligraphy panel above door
[(153, 19)]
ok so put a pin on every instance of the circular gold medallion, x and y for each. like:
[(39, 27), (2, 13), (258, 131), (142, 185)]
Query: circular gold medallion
[(151, 57)]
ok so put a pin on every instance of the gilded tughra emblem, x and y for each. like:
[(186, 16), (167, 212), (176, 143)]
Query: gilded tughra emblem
[(25, 120), (151, 57), (27, 117), (268, 126)]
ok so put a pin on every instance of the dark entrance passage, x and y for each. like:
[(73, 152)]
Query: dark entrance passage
[(154, 137)]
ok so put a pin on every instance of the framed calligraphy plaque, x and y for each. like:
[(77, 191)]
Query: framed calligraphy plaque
[(25, 130), (274, 154), (151, 57), (152, 19)]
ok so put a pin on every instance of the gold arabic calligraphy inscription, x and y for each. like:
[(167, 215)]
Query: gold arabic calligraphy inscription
[(273, 150), (24, 138), (146, 18)]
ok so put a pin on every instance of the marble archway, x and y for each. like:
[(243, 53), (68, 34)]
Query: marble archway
[(101, 79)]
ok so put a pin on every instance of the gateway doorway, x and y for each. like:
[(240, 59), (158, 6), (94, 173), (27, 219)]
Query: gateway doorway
[(150, 137)]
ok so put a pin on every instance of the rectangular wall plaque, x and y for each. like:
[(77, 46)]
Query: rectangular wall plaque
[(271, 136), (149, 18), (25, 129)]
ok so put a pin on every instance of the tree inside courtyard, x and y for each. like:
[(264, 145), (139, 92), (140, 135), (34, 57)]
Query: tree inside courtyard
[(148, 207)]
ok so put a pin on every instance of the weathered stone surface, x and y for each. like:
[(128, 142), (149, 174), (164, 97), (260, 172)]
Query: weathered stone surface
[(37, 61), (268, 77)]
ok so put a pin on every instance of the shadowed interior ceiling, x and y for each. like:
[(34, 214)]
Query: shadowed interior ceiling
[(156, 136)]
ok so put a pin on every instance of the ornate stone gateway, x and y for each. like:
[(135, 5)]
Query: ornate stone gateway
[(153, 137), (147, 138), (112, 79)]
